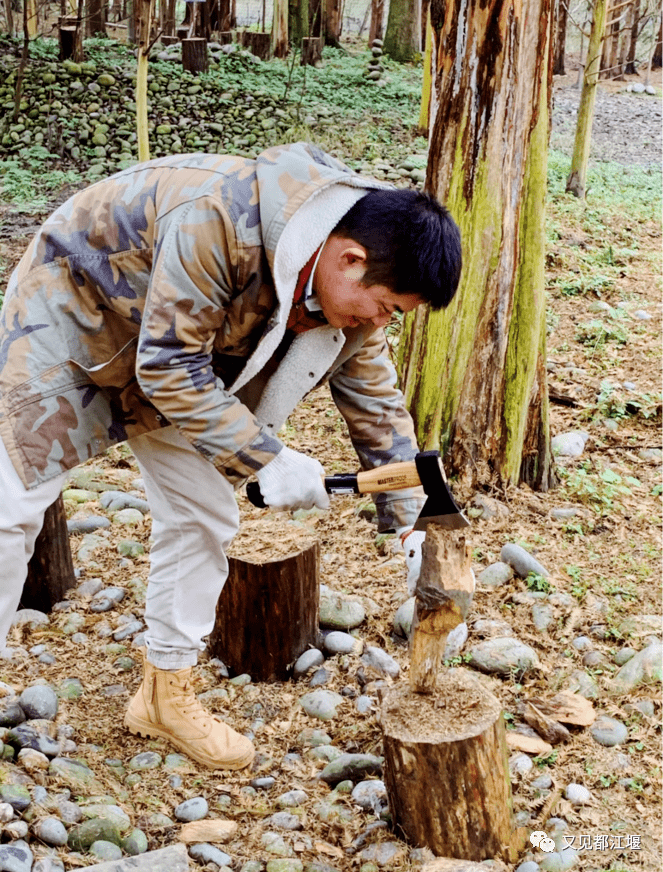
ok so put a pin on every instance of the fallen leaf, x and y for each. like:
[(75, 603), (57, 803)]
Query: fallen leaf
[(568, 708), (527, 744), (330, 850), (208, 831)]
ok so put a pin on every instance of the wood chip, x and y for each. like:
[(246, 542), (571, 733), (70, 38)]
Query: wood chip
[(548, 728), (527, 744), (208, 831)]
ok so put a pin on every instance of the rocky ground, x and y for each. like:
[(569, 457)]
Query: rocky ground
[(76, 790)]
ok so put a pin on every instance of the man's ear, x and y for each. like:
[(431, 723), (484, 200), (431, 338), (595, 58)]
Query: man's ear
[(353, 261)]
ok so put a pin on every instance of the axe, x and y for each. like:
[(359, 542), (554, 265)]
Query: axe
[(425, 471)]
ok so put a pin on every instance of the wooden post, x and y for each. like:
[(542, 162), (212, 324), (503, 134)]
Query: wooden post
[(446, 759), (51, 569), (267, 614), (443, 596), (194, 54)]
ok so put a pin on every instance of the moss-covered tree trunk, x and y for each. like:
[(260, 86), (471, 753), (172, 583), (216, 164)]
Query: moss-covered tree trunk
[(424, 110), (474, 375), (402, 40), (578, 174)]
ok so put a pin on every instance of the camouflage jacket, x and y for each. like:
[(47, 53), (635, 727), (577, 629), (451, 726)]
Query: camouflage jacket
[(159, 296)]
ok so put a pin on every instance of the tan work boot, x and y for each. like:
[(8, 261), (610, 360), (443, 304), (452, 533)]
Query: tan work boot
[(166, 707)]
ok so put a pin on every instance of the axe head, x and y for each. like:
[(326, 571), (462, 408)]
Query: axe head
[(440, 507)]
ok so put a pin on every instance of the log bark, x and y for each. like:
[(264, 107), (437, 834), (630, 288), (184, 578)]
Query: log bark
[(446, 768), (51, 568), (402, 40), (311, 50), (443, 597), (267, 614), (194, 55)]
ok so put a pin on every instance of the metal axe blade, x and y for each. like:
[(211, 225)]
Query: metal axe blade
[(440, 507)]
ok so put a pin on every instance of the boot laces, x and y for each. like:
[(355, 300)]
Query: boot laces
[(190, 705)]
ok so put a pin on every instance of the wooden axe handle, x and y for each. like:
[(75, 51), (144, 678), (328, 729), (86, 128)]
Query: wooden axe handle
[(391, 476)]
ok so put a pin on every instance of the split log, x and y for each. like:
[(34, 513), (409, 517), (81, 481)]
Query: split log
[(311, 50), (443, 597), (446, 768), (51, 569), (267, 614), (194, 55)]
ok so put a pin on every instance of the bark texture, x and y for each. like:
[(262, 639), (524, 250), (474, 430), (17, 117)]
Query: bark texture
[(402, 39), (194, 55), (474, 374), (51, 569), (267, 614), (447, 778), (280, 29)]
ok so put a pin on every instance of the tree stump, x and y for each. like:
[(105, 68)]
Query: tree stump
[(169, 40), (51, 569), (226, 37), (311, 50), (70, 36), (194, 54), (258, 43), (446, 768), (267, 614)]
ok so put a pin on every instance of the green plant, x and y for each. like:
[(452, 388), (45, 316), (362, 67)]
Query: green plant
[(538, 583), (596, 334), (547, 759), (599, 489)]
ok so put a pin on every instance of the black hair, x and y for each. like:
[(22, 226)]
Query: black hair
[(413, 243)]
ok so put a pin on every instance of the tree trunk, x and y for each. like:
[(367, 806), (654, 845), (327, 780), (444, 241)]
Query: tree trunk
[(377, 21), (657, 54), (424, 109), (280, 29), (31, 17), (333, 23), (96, 17), (143, 11), (402, 41), (298, 21), (194, 55), (267, 614), (474, 374), (634, 12), (51, 569), (578, 174), (561, 18), (446, 768)]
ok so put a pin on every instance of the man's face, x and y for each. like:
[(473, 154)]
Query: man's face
[(345, 301)]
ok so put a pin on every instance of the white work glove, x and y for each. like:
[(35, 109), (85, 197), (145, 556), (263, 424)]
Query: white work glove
[(412, 543), (293, 481)]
